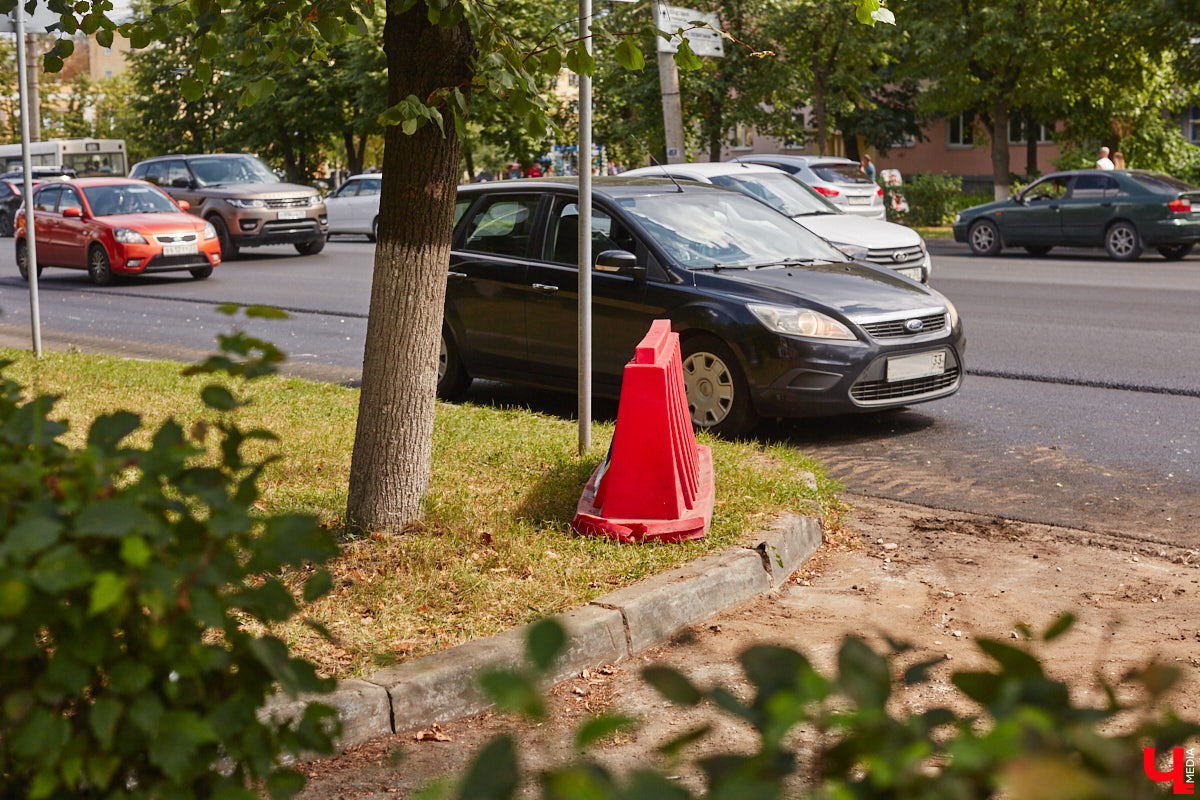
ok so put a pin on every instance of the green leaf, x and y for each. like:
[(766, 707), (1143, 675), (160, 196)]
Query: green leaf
[(1059, 627), (318, 585), (30, 536), (685, 58), (674, 747), (102, 720), (580, 61), (330, 28), (494, 773), (284, 783), (60, 570), (1013, 661), (982, 687), (919, 673), (218, 397), (512, 692), (863, 674), (109, 429), (672, 685), (191, 88), (104, 38), (602, 726), (14, 596), (266, 312), (135, 552), (629, 56), (107, 591), (545, 640), (129, 677), (112, 518), (410, 126)]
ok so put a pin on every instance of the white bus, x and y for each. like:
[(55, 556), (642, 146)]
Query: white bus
[(88, 157)]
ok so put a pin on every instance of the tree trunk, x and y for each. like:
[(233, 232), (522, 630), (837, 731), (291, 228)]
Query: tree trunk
[(716, 130), (389, 471), (850, 141), (289, 158), (1032, 129), (469, 157), (1000, 168), (353, 158), (819, 110)]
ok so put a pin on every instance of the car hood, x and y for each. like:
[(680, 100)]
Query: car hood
[(261, 191), (853, 229), (987, 208), (154, 223), (854, 289)]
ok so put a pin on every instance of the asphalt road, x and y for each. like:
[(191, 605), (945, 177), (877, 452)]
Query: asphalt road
[(1081, 405)]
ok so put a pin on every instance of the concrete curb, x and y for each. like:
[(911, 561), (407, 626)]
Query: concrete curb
[(441, 687)]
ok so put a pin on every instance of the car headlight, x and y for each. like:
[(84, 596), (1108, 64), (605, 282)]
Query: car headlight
[(128, 236), (854, 252), (799, 322), (958, 218), (239, 202), (950, 309), (209, 231), (315, 200)]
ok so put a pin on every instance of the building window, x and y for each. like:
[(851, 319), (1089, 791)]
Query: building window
[(108, 73), (903, 140), (1017, 133), (1191, 125), (960, 131), (743, 136), (108, 51), (572, 79)]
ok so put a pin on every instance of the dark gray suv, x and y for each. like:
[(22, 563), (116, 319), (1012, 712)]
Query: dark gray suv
[(242, 198)]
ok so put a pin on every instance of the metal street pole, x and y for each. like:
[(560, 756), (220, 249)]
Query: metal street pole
[(585, 238), (30, 235)]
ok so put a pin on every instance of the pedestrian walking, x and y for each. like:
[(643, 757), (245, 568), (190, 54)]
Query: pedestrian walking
[(1104, 162), (868, 167), (1118, 160)]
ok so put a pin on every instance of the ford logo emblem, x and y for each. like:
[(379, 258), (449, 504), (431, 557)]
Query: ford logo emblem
[(914, 325)]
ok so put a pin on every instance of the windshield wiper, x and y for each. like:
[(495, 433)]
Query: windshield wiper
[(719, 267), (784, 262)]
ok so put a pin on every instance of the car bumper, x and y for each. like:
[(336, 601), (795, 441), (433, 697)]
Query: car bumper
[(136, 259), (791, 377), (1171, 231), (253, 232)]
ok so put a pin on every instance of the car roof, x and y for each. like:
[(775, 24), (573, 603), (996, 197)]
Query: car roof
[(86, 182), (707, 169), (794, 159), (366, 175), (609, 187), (191, 155)]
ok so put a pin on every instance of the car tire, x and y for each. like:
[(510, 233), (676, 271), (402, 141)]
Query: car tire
[(1038, 251), (311, 247), (374, 234), (984, 238), (1174, 252), (200, 273), (453, 380), (99, 266), (6, 222), (22, 257), (718, 396), (229, 249), (1122, 242)]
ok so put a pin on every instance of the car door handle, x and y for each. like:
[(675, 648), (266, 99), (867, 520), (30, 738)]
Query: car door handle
[(1053, 206), (545, 288), (453, 274), (1106, 205)]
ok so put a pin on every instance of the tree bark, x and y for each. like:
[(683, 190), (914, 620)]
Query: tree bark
[(353, 157), (1032, 129), (819, 110), (389, 470), (1000, 169), (289, 158)]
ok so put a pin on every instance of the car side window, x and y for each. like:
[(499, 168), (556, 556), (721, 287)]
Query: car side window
[(154, 172), (370, 186), (562, 237), (348, 189), (1093, 187), (460, 207), (177, 170), (68, 199), (47, 199), (1047, 189), (502, 225)]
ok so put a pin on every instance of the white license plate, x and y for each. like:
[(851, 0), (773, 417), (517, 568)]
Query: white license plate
[(295, 214), (180, 249), (858, 201), (921, 365)]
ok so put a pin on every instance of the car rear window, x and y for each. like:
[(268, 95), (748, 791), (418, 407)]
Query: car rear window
[(841, 173), (1163, 183)]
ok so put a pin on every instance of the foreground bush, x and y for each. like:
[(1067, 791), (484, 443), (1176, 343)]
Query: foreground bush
[(124, 574), (932, 199), (1027, 740)]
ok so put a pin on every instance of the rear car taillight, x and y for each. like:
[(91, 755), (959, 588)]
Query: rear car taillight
[(1180, 205), (879, 192), (825, 190)]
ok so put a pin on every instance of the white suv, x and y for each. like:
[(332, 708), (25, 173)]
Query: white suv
[(840, 180)]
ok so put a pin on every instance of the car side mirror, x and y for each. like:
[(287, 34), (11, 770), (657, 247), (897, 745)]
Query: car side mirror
[(72, 211), (184, 205), (621, 262), (181, 183)]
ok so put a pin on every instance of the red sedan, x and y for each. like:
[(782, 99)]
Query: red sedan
[(115, 226)]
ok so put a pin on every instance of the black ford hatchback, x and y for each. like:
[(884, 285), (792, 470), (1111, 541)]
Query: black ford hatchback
[(772, 320)]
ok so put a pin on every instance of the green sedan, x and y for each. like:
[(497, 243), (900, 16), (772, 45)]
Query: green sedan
[(1123, 211)]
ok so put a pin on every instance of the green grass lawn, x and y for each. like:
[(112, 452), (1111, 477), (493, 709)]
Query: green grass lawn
[(495, 548)]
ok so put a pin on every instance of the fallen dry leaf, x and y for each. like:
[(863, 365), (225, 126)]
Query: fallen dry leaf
[(434, 734)]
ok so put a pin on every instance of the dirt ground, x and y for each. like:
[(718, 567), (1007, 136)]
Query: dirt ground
[(934, 578)]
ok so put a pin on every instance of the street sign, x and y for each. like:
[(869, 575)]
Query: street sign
[(704, 41)]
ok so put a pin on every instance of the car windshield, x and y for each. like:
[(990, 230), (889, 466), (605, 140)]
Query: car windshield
[(705, 229), (218, 170), (1159, 182), (841, 173), (123, 198), (781, 192)]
